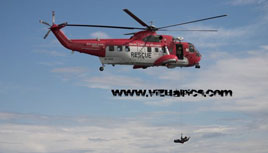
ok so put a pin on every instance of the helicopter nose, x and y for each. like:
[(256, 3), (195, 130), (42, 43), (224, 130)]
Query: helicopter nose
[(197, 60), (198, 56)]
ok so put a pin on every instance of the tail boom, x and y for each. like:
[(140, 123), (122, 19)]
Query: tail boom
[(76, 45)]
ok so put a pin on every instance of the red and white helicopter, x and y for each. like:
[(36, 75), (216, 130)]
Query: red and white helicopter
[(143, 49)]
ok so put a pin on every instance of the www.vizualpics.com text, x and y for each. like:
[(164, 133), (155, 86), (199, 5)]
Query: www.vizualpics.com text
[(170, 92)]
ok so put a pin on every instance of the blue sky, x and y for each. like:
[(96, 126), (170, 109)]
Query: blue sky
[(55, 101)]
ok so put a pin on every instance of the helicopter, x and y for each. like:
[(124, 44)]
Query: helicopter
[(143, 49)]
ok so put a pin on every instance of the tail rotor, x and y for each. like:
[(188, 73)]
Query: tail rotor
[(45, 23)]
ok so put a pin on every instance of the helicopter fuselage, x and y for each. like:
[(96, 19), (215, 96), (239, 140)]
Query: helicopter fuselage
[(144, 49)]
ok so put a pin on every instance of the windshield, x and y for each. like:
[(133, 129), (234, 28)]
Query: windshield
[(191, 47)]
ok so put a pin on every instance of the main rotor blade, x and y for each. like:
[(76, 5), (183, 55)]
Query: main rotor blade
[(132, 33), (47, 34), (193, 21), (43, 22), (136, 18), (104, 26), (187, 30)]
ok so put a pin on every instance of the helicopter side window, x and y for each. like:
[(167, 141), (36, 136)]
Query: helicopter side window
[(149, 49), (119, 48), (111, 48), (127, 48), (191, 47)]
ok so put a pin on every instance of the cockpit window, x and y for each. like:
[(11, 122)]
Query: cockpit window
[(191, 47), (152, 38)]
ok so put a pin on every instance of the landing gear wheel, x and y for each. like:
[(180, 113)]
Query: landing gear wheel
[(197, 66), (101, 68)]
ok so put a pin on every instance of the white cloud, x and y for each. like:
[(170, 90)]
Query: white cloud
[(50, 52), (70, 70), (229, 38), (218, 55), (126, 137), (265, 47), (131, 135), (168, 74), (217, 129), (70, 73), (52, 63), (108, 81), (246, 2), (224, 36)]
